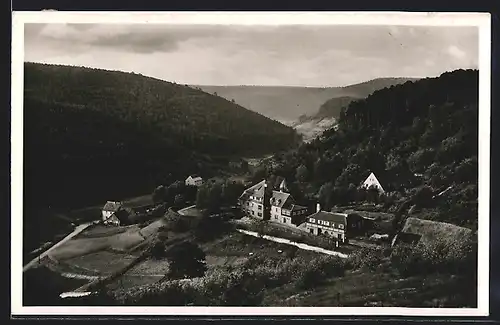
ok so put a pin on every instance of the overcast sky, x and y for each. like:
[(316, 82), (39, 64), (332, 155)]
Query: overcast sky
[(257, 55)]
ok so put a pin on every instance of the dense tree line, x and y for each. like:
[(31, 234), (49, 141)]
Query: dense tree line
[(416, 137)]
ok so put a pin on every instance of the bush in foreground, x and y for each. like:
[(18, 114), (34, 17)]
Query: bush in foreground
[(438, 256)]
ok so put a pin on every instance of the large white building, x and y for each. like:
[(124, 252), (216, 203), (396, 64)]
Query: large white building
[(252, 201), (283, 207)]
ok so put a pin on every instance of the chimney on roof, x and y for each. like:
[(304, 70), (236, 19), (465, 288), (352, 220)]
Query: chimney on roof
[(318, 207)]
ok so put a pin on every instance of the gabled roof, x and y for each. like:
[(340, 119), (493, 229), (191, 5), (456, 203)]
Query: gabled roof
[(282, 200), (112, 206), (376, 180), (277, 182), (296, 207), (330, 216), (371, 215), (255, 190), (123, 215), (431, 231), (194, 176)]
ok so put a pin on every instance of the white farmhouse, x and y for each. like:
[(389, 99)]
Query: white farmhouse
[(194, 180), (109, 208), (372, 181)]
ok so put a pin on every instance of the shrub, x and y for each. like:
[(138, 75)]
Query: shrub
[(157, 249), (439, 256), (318, 270), (186, 260), (171, 293), (211, 227), (370, 258)]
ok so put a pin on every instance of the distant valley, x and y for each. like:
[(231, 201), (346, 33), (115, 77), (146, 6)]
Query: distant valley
[(310, 110)]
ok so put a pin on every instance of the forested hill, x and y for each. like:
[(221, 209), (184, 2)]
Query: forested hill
[(428, 127), (92, 133)]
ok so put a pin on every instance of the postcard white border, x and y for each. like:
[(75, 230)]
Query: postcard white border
[(480, 20)]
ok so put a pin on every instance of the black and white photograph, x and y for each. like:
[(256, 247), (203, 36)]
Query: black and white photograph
[(194, 163)]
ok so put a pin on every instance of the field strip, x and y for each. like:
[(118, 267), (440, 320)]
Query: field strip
[(79, 276), (75, 232), (289, 242)]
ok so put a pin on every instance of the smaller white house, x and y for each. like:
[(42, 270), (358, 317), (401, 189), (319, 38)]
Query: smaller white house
[(110, 208), (194, 180), (372, 181)]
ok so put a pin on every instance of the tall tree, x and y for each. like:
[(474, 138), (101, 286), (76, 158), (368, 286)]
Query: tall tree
[(187, 260)]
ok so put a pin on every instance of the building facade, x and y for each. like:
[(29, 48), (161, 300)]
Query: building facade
[(120, 217), (284, 209), (331, 224), (109, 208), (193, 180), (252, 201), (278, 206)]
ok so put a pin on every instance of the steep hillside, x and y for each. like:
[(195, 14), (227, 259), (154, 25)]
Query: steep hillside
[(310, 126), (92, 135), (287, 104), (332, 107), (419, 138)]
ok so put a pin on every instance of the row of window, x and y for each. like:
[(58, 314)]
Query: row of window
[(253, 213), (339, 236), (276, 217), (325, 223), (287, 212), (259, 206)]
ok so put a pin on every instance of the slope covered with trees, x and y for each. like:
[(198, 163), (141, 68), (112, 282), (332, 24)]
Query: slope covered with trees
[(419, 138), (92, 135)]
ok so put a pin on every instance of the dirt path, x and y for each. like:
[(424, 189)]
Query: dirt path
[(289, 242), (181, 211), (75, 232)]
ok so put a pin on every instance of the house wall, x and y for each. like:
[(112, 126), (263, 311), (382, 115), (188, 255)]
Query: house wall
[(329, 231), (372, 181), (113, 220), (275, 213), (106, 214), (253, 208)]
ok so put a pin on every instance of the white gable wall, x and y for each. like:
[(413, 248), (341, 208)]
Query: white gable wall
[(372, 181), (106, 214)]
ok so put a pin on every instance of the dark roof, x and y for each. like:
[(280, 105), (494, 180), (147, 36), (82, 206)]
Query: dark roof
[(371, 215), (282, 199), (296, 207), (245, 196), (407, 238), (194, 176), (255, 190), (112, 206), (123, 215), (432, 231), (330, 216)]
